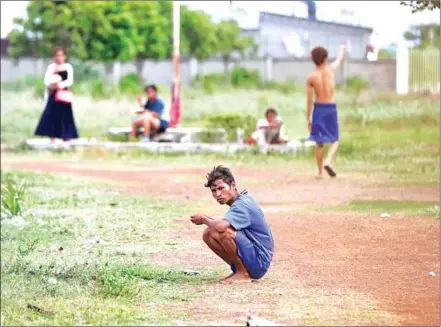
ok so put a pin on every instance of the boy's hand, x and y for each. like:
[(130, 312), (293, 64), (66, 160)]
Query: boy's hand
[(197, 219), (309, 126), (139, 100)]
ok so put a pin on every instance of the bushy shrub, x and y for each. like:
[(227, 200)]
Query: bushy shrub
[(355, 85), (97, 89), (231, 122), (39, 88), (85, 73), (129, 84), (22, 84), (242, 77), (285, 87), (209, 82)]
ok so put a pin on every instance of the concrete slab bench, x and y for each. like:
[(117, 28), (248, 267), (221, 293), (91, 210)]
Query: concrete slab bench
[(41, 144), (181, 134)]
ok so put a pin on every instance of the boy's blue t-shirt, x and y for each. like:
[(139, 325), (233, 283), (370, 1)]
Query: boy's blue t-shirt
[(156, 106), (246, 217)]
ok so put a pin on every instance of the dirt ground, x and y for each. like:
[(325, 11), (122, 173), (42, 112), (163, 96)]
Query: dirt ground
[(329, 267)]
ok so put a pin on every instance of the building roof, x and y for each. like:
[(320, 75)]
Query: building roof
[(267, 16)]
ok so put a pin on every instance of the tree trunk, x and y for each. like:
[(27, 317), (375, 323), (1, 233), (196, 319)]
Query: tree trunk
[(140, 69), (226, 72), (194, 67), (108, 75)]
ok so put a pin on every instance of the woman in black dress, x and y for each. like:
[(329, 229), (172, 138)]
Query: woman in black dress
[(57, 120)]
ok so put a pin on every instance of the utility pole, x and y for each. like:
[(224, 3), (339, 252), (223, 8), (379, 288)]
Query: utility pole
[(175, 111)]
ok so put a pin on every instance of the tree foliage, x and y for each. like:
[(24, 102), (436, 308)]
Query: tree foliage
[(421, 5), (230, 41), (106, 31), (153, 25), (198, 34), (49, 24), (424, 35)]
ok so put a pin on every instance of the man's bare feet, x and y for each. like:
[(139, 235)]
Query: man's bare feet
[(237, 278), (318, 177), (229, 276)]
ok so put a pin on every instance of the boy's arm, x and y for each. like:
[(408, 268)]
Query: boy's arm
[(139, 101), (340, 57), (309, 91), (276, 124), (218, 225)]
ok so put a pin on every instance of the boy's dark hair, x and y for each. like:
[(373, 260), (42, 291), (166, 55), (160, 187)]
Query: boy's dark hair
[(319, 55), (270, 110), (151, 86), (219, 172)]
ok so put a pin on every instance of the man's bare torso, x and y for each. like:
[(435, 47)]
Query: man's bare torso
[(323, 83)]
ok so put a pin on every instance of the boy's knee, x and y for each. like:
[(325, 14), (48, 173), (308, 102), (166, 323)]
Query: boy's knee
[(228, 234), (207, 235)]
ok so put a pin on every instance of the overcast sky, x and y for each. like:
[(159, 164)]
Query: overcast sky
[(388, 18)]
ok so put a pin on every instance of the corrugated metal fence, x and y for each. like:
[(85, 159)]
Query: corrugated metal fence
[(424, 71)]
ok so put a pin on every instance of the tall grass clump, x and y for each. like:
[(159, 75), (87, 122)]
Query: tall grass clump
[(12, 198)]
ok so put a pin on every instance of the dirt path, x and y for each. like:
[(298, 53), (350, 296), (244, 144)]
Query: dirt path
[(324, 262)]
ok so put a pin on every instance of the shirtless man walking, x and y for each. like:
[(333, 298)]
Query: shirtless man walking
[(324, 125)]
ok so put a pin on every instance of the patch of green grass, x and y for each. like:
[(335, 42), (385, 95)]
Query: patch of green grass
[(401, 143), (406, 208), (64, 256)]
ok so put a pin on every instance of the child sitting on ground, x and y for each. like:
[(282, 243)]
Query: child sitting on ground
[(269, 130)]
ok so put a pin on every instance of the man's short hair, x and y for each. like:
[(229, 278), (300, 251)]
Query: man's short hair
[(151, 86), (319, 55), (270, 110), (219, 172)]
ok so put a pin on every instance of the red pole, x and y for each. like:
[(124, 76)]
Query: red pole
[(175, 111)]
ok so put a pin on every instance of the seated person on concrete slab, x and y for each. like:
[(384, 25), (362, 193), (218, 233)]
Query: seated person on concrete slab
[(242, 238), (270, 130), (151, 116)]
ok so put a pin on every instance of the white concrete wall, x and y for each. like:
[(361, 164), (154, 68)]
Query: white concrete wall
[(381, 75)]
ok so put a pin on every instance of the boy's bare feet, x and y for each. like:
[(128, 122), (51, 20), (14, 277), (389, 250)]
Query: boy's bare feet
[(237, 278), (229, 276)]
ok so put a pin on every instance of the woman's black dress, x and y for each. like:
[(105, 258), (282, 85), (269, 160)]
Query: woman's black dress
[(57, 120)]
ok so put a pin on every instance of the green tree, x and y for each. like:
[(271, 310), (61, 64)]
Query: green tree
[(48, 24), (107, 32), (421, 5), (424, 36), (198, 34), (153, 25), (230, 41)]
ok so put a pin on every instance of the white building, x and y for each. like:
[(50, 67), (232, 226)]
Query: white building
[(282, 36)]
